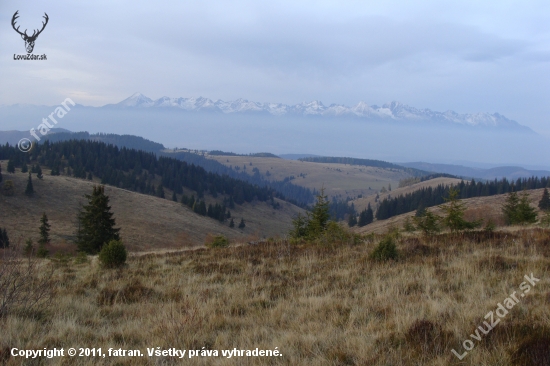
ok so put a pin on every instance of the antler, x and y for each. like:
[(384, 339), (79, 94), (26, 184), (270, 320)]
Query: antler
[(34, 34), (15, 16)]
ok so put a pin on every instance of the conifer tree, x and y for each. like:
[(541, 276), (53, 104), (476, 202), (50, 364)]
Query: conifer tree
[(510, 209), (242, 224), (4, 239), (29, 248), (428, 223), (319, 216), (96, 223), (174, 197), (11, 166), (352, 220), (44, 230), (454, 218), (24, 168), (160, 191), (544, 203), (29, 191), (526, 212), (231, 223), (39, 172), (408, 225)]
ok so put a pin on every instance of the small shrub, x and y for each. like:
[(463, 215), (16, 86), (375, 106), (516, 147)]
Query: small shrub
[(42, 252), (29, 248), (385, 250), (81, 258), (490, 226), (534, 351), (408, 225), (218, 241), (113, 254), (336, 234)]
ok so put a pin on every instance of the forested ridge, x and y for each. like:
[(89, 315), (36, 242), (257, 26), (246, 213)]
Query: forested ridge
[(293, 193), (365, 162), (433, 196), (137, 171), (297, 195)]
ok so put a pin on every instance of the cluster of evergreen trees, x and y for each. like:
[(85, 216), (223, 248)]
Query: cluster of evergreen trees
[(365, 162), (365, 217), (300, 196), (216, 211), (517, 209), (428, 197), (135, 170), (4, 239)]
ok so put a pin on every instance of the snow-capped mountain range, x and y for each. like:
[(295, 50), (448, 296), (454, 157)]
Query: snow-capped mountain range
[(392, 111)]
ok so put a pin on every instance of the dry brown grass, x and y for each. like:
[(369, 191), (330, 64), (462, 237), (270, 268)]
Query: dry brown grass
[(320, 305), (362, 203), (477, 208), (146, 222), (341, 180)]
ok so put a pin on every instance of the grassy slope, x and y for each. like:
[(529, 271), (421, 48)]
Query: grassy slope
[(146, 222), (318, 305), (338, 179), (486, 208), (362, 203)]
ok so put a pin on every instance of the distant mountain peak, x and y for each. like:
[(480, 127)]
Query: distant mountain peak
[(136, 100), (394, 110)]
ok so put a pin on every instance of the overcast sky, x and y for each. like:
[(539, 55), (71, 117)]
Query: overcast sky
[(467, 56)]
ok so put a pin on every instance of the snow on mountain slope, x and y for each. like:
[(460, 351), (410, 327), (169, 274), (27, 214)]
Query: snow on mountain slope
[(391, 111)]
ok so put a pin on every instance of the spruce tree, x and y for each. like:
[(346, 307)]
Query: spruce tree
[(29, 248), (39, 172), (428, 223), (4, 240), (526, 213), (454, 218), (510, 209), (96, 223), (370, 214), (319, 215), (231, 223), (44, 230), (24, 168), (242, 224), (352, 220), (29, 191), (362, 218), (544, 203), (11, 166), (160, 191)]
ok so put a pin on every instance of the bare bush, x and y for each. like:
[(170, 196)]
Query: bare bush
[(25, 283)]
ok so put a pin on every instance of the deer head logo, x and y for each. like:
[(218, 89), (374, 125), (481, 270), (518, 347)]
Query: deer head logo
[(29, 40)]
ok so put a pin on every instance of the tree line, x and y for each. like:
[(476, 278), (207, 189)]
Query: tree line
[(364, 162), (433, 196), (135, 170), (297, 195)]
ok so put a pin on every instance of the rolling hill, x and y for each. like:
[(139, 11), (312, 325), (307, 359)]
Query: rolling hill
[(146, 222), (478, 208), (339, 180)]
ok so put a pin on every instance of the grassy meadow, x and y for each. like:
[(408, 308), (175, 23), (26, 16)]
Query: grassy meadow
[(340, 180), (319, 304)]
